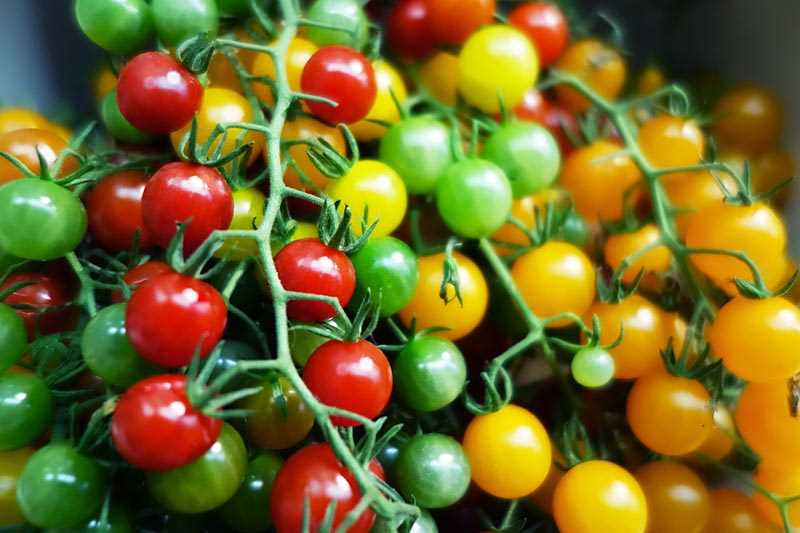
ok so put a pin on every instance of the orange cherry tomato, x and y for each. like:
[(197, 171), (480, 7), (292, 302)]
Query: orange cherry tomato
[(668, 141), (297, 55), (439, 76), (677, 499), (620, 246), (23, 144), (597, 64), (307, 129), (765, 423), (781, 480), (689, 193), (734, 512), (524, 210), (748, 118)]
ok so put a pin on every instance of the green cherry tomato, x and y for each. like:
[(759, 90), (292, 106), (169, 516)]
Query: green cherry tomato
[(592, 367), (429, 373), (234, 8), (26, 409), (418, 149), (433, 470), (280, 417), (346, 14), (574, 229), (60, 487), (248, 510), (13, 338), (118, 520), (388, 458), (205, 483), (302, 344), (231, 352), (527, 153), (473, 197), (11, 464), (117, 125), (109, 354), (118, 26), (388, 268), (423, 524), (44, 209), (178, 21)]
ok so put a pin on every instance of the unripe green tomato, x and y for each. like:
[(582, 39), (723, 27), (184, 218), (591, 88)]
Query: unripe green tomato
[(119, 520), (13, 337), (234, 8), (592, 367), (118, 26), (417, 148), (346, 14), (429, 373), (423, 524), (432, 470), (302, 344), (388, 268), (117, 125), (26, 409), (248, 510), (473, 197), (178, 20)]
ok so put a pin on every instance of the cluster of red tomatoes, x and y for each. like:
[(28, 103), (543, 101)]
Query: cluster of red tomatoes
[(281, 243)]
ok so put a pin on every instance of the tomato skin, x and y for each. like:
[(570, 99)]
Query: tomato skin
[(314, 473), (509, 452), (342, 14), (180, 191), (41, 294), (748, 118), (388, 82), (139, 274), (472, 14), (433, 470), (597, 64), (20, 118), (388, 269), (297, 55), (418, 149), (13, 337), (145, 419), (507, 53), (156, 94), (599, 496), (344, 76), (178, 21), (692, 192), (620, 246), (408, 29), (355, 376), (669, 414), (592, 367), (114, 209), (117, 125), (26, 407), (782, 481), (207, 482), (24, 143), (306, 129), (194, 309), (429, 310), (668, 141), (245, 511), (734, 512), (772, 168), (555, 118), (677, 499), (765, 423), (11, 465), (430, 373), (307, 265), (269, 426), (60, 487), (545, 25), (248, 213), (119, 27), (439, 76)]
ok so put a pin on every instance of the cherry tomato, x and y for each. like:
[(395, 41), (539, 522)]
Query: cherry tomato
[(509, 452), (307, 265), (355, 376), (734, 512), (245, 511), (345, 14), (207, 482), (621, 246), (181, 192), (690, 193), (450, 29), (555, 278), (781, 481), (439, 76), (20, 118), (297, 55), (650, 80), (179, 21), (771, 169), (314, 475), (645, 334), (308, 129), (24, 144), (509, 55), (248, 213), (433, 470), (670, 415), (560, 122), (11, 465), (14, 338), (43, 298), (390, 86), (429, 310), (156, 94), (388, 269), (117, 125), (139, 274), (677, 499), (344, 76), (719, 442), (221, 72), (598, 65), (748, 118), (598, 176), (26, 407), (766, 424), (60, 487), (418, 148), (524, 209), (408, 29), (423, 524), (234, 8), (429, 373), (668, 141), (756, 230), (115, 211), (280, 418), (120, 27), (194, 310), (592, 367), (103, 82), (545, 25)]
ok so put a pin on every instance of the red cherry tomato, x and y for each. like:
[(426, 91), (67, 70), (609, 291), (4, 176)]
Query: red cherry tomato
[(156, 94), (139, 274), (545, 25), (536, 108), (343, 75), (453, 21), (114, 207), (40, 297), (350, 375), (184, 191), (171, 315), (408, 29), (315, 475), (307, 265), (154, 426)]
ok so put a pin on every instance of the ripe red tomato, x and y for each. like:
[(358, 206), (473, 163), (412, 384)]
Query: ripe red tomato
[(42, 295), (452, 21), (343, 75), (315, 475), (307, 265), (139, 274), (350, 375), (114, 207), (154, 426), (156, 94), (545, 25), (408, 29), (179, 192), (536, 108), (171, 315)]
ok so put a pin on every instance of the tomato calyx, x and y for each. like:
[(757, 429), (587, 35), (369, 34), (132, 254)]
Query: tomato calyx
[(363, 324), (336, 232), (195, 53)]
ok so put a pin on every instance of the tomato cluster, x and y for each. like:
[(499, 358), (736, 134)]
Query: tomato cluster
[(305, 280)]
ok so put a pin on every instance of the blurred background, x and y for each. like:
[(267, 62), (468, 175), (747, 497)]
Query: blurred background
[(46, 64)]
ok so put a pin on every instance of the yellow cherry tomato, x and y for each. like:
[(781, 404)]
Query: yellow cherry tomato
[(765, 423), (20, 118), (783, 481), (719, 442), (430, 310), (308, 129), (388, 81), (524, 210), (220, 71), (668, 141), (734, 512), (598, 65), (598, 176), (103, 82), (375, 188), (650, 80), (620, 246), (748, 118), (756, 230), (554, 278), (508, 451), (297, 55), (690, 192), (439, 76), (677, 499), (248, 213), (11, 465), (497, 62), (599, 497)]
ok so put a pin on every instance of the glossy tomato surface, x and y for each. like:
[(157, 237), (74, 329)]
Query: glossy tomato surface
[(114, 207)]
